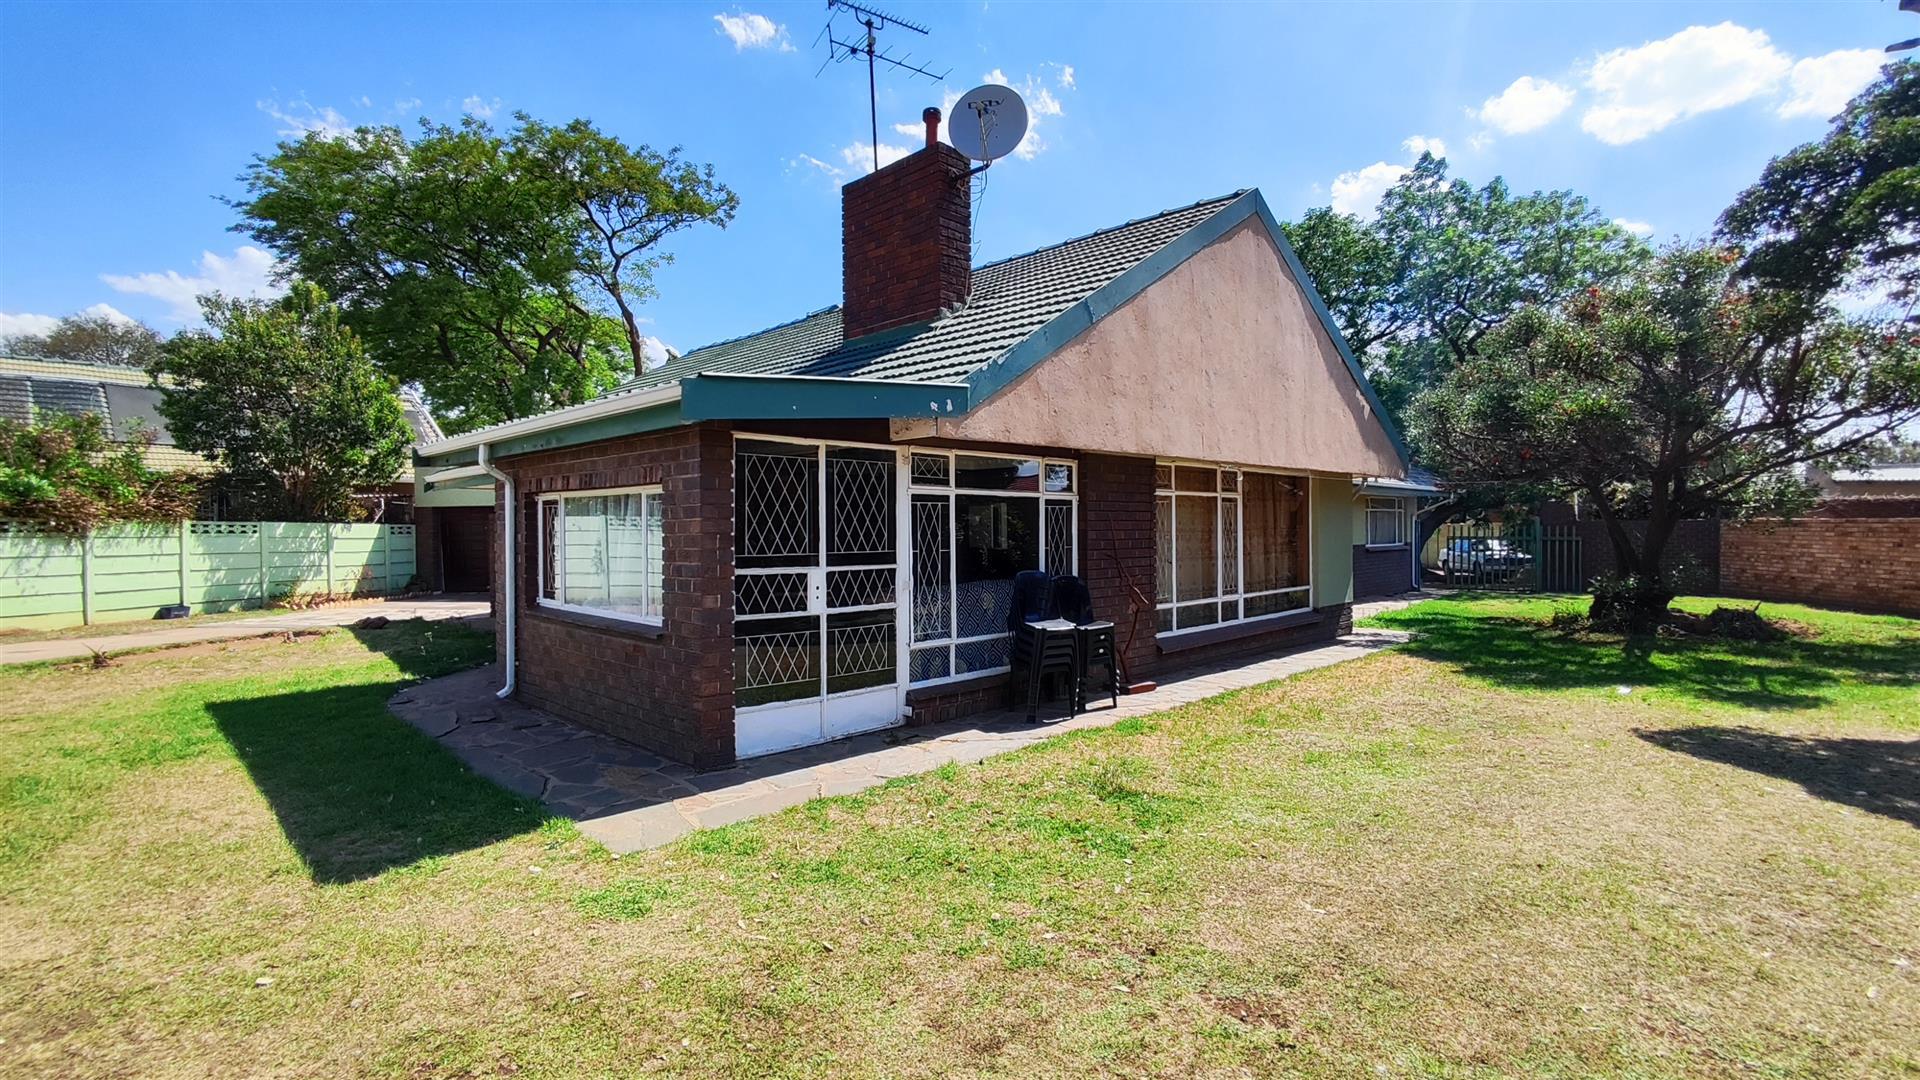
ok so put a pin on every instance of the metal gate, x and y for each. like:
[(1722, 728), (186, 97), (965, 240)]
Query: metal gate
[(1523, 556), (816, 584)]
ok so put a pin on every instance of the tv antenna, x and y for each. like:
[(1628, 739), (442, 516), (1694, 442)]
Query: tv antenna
[(867, 44)]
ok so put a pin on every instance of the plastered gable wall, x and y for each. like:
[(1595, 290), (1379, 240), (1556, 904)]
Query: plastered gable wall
[(1223, 359)]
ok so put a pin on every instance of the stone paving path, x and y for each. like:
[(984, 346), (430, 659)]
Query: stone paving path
[(629, 799), (422, 607)]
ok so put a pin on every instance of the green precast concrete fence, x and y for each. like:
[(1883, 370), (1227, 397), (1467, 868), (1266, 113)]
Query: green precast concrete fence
[(124, 572)]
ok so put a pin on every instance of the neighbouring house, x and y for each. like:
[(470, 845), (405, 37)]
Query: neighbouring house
[(127, 399), (1386, 531), (1886, 481), (812, 530)]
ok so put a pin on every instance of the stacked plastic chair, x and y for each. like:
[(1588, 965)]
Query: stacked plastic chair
[(1092, 640), (1043, 643)]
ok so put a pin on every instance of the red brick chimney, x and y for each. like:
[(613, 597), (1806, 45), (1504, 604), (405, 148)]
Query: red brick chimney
[(906, 239)]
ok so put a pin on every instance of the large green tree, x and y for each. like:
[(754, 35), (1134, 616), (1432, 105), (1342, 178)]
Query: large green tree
[(1680, 392), (501, 272), (282, 394), (86, 338), (1843, 213), (1418, 286)]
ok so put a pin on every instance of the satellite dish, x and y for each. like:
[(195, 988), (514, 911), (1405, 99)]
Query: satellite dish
[(987, 122)]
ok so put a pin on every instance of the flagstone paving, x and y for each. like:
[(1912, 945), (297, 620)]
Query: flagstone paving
[(630, 799)]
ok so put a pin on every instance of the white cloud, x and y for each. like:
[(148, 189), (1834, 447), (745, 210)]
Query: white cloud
[(476, 105), (1527, 104), (1480, 140), (749, 31), (1066, 77), (1422, 144), (808, 161), (406, 104), (301, 117), (25, 324), (654, 352), (1698, 70), (1637, 228), (247, 272), (910, 129), (1358, 192), (859, 156), (1822, 85)]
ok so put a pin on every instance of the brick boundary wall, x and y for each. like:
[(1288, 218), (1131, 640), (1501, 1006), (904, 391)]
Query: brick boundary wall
[(669, 690), (1868, 564)]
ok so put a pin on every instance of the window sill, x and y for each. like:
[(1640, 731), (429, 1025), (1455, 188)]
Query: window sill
[(1386, 547), (968, 684), (628, 627), (1214, 635)]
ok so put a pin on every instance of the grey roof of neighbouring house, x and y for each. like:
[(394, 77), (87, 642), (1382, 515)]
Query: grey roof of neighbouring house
[(1879, 474), (1420, 481), (1011, 299)]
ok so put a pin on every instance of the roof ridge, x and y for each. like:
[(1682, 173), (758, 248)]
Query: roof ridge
[(1129, 223)]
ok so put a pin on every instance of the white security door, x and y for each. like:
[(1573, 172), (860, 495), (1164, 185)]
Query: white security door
[(816, 587)]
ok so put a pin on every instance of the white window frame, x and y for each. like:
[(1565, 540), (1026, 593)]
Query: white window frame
[(916, 486), (558, 499), (1386, 507), (1239, 596)]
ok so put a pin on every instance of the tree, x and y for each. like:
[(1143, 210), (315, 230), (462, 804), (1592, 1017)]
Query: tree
[(1842, 213), (1682, 392), (64, 474), (1893, 449), (87, 338), (501, 273), (1415, 289), (283, 395)]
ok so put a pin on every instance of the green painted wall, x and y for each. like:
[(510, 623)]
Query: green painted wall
[(1331, 503), (126, 572)]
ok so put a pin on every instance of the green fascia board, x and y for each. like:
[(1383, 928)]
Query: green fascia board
[(638, 422), (729, 396), (449, 460), (480, 482), (1076, 320)]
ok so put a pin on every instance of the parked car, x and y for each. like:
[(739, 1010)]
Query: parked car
[(1481, 556)]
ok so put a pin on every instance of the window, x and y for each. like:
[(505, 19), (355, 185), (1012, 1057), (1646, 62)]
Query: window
[(601, 553), (1232, 545), (1386, 523), (977, 520)]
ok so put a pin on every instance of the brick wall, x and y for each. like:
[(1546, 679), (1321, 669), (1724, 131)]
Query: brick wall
[(1381, 571), (1117, 550), (906, 241), (1872, 564), (669, 690), (1696, 541)]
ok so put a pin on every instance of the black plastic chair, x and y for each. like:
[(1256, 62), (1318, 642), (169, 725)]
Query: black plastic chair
[(1092, 640), (1038, 650)]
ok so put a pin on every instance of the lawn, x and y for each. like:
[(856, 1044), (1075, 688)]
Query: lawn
[(1503, 849)]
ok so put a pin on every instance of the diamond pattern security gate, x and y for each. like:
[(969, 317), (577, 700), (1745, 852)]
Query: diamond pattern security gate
[(816, 586)]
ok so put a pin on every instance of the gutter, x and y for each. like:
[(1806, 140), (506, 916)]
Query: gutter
[(509, 570)]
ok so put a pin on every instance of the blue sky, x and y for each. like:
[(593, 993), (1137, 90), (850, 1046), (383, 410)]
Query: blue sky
[(120, 125)]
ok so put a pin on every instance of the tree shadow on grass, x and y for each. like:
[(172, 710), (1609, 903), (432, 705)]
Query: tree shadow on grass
[(1881, 776), (1798, 673), (357, 791)]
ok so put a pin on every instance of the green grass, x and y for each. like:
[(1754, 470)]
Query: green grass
[(1470, 857)]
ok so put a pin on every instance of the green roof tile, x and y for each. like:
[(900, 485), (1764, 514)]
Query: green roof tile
[(1011, 299)]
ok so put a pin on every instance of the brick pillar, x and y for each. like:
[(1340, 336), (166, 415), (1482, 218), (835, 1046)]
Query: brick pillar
[(1117, 551)]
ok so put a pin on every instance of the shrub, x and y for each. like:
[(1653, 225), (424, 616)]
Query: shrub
[(63, 474)]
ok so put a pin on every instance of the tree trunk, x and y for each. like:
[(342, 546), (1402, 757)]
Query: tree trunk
[(1637, 600)]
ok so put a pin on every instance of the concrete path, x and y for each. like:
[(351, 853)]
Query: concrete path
[(432, 608), (629, 799)]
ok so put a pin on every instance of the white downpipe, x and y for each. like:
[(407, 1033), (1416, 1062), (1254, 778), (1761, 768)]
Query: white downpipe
[(510, 570)]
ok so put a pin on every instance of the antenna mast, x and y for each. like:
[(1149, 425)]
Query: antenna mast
[(867, 45)]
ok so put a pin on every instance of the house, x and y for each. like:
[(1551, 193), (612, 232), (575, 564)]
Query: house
[(812, 530), (127, 400), (1386, 531), (1873, 481)]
